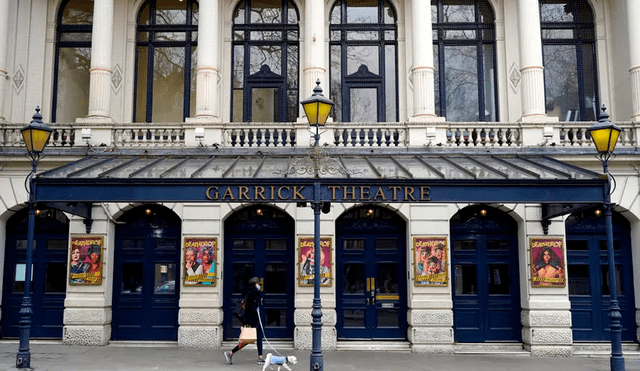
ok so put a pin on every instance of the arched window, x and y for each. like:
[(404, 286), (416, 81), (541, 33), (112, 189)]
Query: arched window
[(569, 59), (264, 86), (363, 56), (464, 53), (165, 86), (73, 61)]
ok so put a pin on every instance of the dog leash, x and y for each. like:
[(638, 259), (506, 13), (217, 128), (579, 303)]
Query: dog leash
[(263, 335)]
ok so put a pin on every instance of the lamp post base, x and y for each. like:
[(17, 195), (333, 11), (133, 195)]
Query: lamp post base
[(23, 360)]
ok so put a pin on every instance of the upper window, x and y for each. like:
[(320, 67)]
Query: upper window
[(363, 57), (166, 61), (264, 86), (569, 58), (73, 61), (464, 53)]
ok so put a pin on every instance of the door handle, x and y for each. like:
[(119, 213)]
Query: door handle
[(373, 286), (261, 284)]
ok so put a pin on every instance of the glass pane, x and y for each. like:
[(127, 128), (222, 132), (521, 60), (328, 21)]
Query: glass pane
[(561, 81), (276, 317), (264, 104), (292, 16), (168, 84), (141, 81), (590, 81), (388, 317), (336, 82), (242, 272), (238, 14), (348, 244), (72, 98), (387, 278), (362, 11), (18, 282), (266, 35), (78, 12), (557, 34), (464, 245), (22, 244), (488, 80), (603, 245), (390, 83), (364, 105), (238, 113), (497, 245), (167, 244), (458, 13), (55, 276), (354, 278), (276, 278), (386, 244), (165, 279), (276, 244), (170, 36), (388, 13), (171, 12), (606, 288), (239, 244), (336, 14), (265, 55), (459, 34), (499, 279), (466, 280), (362, 35), (577, 245), (360, 57), (76, 36), (56, 244), (461, 83), (556, 12), (133, 244), (353, 318), (266, 11), (578, 276), (131, 278)]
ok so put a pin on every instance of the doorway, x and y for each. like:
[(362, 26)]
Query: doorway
[(370, 275)]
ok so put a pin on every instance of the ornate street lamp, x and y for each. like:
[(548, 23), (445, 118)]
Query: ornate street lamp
[(605, 135), (35, 136), (317, 108)]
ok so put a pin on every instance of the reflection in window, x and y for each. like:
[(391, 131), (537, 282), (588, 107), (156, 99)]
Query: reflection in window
[(55, 277), (165, 279), (569, 59), (19, 280), (464, 60), (578, 277), (166, 61), (363, 57), (265, 61), (131, 278), (73, 61)]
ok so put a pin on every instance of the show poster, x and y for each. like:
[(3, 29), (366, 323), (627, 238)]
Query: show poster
[(547, 262), (307, 261), (200, 258), (85, 265), (430, 254)]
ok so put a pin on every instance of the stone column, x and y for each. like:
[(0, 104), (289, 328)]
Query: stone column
[(4, 24), (315, 56), (533, 103), (422, 65), (101, 52), (633, 9), (207, 71)]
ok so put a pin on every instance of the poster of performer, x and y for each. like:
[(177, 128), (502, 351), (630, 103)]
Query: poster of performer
[(85, 266), (200, 257), (430, 255), (547, 263), (307, 261)]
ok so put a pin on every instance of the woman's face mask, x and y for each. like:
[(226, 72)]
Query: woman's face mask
[(258, 287)]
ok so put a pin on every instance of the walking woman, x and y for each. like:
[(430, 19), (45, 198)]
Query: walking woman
[(251, 318)]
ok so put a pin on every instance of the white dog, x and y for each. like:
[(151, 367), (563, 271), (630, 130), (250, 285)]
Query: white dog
[(280, 361)]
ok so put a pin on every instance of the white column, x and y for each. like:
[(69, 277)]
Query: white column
[(315, 51), (533, 104), (422, 65), (633, 10), (4, 82), (101, 52), (207, 70)]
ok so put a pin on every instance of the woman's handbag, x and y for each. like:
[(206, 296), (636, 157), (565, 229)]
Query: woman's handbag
[(248, 335)]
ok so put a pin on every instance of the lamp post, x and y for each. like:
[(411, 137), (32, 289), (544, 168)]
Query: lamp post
[(35, 136), (605, 135), (317, 108)]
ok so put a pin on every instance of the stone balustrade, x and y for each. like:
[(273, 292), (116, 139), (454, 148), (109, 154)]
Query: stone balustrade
[(300, 135)]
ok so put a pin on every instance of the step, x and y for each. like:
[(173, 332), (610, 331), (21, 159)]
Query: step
[(491, 348), (379, 346), (604, 350)]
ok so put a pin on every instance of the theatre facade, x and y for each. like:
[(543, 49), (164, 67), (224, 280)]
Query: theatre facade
[(461, 199)]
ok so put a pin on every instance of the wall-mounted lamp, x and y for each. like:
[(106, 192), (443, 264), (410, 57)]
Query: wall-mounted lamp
[(86, 134)]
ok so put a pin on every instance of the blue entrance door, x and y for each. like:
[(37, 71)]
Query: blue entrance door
[(588, 276), (259, 242), (48, 287), (485, 279), (146, 275), (370, 275)]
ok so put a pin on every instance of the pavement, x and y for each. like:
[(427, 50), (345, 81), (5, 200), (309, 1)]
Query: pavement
[(53, 356)]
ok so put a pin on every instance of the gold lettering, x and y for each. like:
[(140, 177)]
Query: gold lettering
[(333, 191), (395, 190), (259, 191), (408, 192), (280, 196), (425, 193), (349, 194), (215, 193), (242, 192), (380, 194), (296, 193), (364, 192), (273, 192), (228, 193)]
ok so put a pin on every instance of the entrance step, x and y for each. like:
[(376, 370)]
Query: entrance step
[(144, 344), (267, 347), (516, 349), (604, 350), (381, 346)]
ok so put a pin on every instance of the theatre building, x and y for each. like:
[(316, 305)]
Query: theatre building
[(459, 194)]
